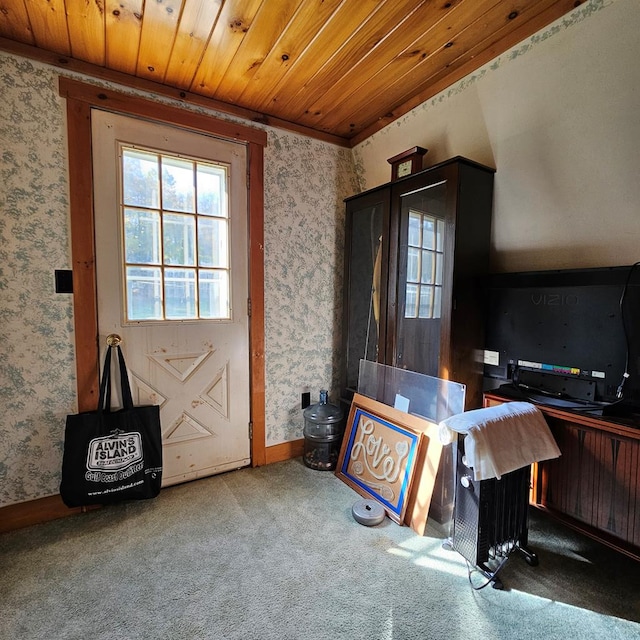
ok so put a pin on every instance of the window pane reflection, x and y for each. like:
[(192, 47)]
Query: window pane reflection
[(178, 185), (180, 292), (144, 293), (214, 297), (179, 239), (142, 236), (140, 178), (425, 239)]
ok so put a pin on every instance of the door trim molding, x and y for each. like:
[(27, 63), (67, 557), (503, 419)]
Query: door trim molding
[(81, 99)]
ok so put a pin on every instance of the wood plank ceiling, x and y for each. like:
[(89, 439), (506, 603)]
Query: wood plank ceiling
[(337, 69)]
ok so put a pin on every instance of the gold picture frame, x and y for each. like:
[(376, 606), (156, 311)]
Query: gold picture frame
[(383, 451)]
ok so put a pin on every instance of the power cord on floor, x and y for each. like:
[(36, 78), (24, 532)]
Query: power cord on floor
[(471, 570)]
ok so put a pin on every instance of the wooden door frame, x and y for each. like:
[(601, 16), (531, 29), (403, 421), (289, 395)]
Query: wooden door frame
[(81, 99)]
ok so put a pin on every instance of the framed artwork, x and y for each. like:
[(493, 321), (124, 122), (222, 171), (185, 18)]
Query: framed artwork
[(379, 453)]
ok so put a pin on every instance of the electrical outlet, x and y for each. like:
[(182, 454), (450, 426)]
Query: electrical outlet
[(305, 400)]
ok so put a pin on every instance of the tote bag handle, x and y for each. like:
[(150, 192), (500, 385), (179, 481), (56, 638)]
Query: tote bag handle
[(104, 402)]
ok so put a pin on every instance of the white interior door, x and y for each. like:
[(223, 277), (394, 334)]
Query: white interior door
[(174, 283)]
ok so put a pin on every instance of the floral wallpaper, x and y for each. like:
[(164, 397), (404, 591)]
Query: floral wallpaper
[(37, 384), (304, 237), (305, 183)]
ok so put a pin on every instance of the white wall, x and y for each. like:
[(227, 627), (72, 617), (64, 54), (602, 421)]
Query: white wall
[(558, 116)]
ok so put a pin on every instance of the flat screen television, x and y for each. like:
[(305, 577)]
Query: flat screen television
[(569, 338)]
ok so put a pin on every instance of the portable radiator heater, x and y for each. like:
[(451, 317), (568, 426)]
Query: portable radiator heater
[(490, 517)]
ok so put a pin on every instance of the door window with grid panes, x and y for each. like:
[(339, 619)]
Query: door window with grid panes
[(175, 232), (424, 266)]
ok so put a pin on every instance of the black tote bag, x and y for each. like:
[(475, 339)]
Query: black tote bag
[(111, 456)]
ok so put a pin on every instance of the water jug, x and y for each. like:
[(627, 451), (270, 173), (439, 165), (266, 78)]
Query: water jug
[(323, 430)]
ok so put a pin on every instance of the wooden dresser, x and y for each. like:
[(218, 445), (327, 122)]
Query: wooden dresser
[(594, 486)]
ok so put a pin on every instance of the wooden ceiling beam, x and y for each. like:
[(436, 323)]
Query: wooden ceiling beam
[(15, 23), (198, 19), (86, 22), (406, 51), (49, 25), (231, 29), (123, 25), (290, 52)]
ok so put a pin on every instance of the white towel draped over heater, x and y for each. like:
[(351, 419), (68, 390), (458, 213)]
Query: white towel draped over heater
[(502, 438)]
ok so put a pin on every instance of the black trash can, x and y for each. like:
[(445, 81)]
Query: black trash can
[(323, 431)]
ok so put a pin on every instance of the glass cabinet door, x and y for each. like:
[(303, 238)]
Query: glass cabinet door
[(421, 307), (420, 279), (365, 287)]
